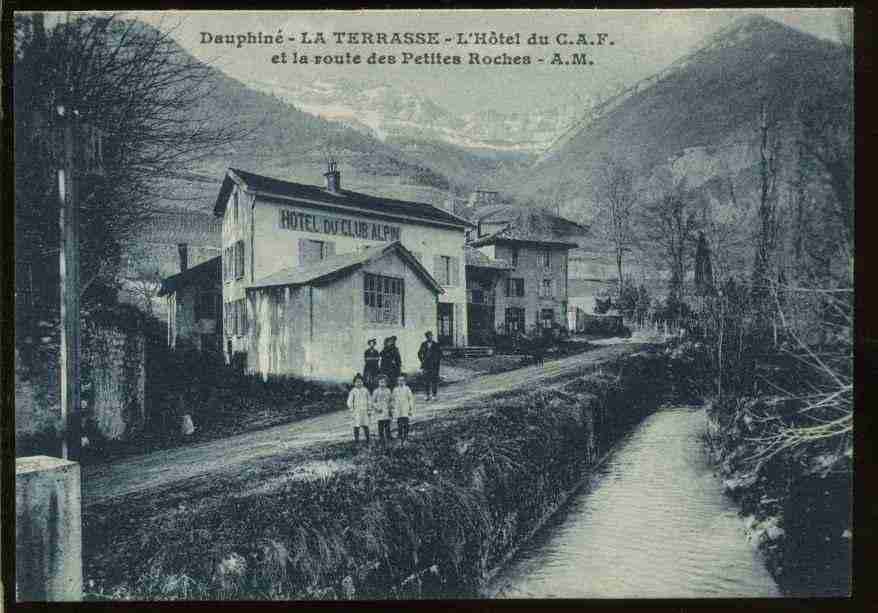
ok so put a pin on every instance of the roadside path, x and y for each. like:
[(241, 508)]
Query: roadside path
[(140, 474)]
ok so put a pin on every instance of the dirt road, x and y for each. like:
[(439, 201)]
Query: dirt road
[(141, 475)]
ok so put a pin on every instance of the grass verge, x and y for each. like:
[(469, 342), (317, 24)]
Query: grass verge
[(429, 519)]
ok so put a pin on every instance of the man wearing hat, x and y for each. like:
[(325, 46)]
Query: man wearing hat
[(370, 369), (430, 354)]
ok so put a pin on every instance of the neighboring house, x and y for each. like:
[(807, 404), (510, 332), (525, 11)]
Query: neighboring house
[(167, 243), (535, 288), (194, 306), (483, 276), (272, 227)]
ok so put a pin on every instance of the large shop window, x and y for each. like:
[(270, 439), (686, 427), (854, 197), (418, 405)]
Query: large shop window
[(383, 298), (514, 288), (547, 317), (514, 319)]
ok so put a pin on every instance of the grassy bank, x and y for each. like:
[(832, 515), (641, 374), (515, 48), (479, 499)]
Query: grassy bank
[(432, 518), (797, 503), (791, 481)]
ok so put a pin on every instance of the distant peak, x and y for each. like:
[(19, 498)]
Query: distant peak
[(750, 23)]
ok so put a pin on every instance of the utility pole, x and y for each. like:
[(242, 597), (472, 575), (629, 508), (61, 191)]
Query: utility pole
[(66, 119)]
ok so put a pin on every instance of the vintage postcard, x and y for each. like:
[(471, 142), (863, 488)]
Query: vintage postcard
[(372, 305)]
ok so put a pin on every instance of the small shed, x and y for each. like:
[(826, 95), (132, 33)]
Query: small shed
[(313, 321)]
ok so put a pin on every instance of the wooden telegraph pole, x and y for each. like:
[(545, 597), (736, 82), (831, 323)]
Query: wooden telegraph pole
[(69, 263)]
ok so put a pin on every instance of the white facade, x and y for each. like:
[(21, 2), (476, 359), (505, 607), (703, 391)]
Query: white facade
[(263, 234)]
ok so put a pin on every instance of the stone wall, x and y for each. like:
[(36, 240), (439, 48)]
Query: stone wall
[(114, 386)]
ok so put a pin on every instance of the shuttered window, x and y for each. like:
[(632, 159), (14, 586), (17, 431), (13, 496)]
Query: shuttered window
[(514, 288), (239, 259), (235, 319), (314, 251), (514, 319), (447, 270)]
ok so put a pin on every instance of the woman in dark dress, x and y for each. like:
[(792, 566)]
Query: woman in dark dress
[(371, 368), (391, 361)]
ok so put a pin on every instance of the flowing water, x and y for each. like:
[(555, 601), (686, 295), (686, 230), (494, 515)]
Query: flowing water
[(652, 523)]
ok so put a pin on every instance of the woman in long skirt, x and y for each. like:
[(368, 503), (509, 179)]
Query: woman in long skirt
[(372, 360)]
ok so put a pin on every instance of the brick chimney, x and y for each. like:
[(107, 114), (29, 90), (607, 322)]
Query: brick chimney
[(333, 178), (183, 250)]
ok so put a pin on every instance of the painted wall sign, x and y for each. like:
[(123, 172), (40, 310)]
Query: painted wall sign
[(291, 219)]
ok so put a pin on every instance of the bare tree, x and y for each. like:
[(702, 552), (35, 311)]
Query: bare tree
[(615, 204), (150, 99), (767, 209), (669, 222), (145, 288)]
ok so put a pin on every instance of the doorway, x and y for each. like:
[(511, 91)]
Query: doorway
[(445, 324)]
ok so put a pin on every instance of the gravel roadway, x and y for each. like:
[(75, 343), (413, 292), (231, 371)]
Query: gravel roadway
[(172, 469)]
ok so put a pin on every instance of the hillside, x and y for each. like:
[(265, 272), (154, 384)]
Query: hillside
[(287, 143), (702, 111)]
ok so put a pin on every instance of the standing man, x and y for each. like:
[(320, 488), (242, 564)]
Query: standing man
[(430, 355), (391, 361)]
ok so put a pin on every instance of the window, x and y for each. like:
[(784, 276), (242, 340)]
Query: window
[(479, 292), (235, 318), (547, 318), (514, 319), (514, 288), (239, 259), (514, 257), (383, 299), (546, 258), (447, 270), (314, 251), (233, 261), (205, 306), (235, 206), (547, 288)]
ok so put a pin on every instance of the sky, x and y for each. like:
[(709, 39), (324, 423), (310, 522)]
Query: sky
[(644, 42)]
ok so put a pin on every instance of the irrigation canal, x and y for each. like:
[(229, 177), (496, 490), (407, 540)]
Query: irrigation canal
[(652, 522)]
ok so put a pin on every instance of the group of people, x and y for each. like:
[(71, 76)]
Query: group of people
[(381, 391)]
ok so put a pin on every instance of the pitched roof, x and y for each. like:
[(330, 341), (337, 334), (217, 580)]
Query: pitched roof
[(514, 234), (528, 216), (313, 194), (206, 273), (338, 265), (477, 259)]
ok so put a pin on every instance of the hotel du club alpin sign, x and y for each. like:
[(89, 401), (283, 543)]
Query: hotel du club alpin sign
[(291, 219)]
